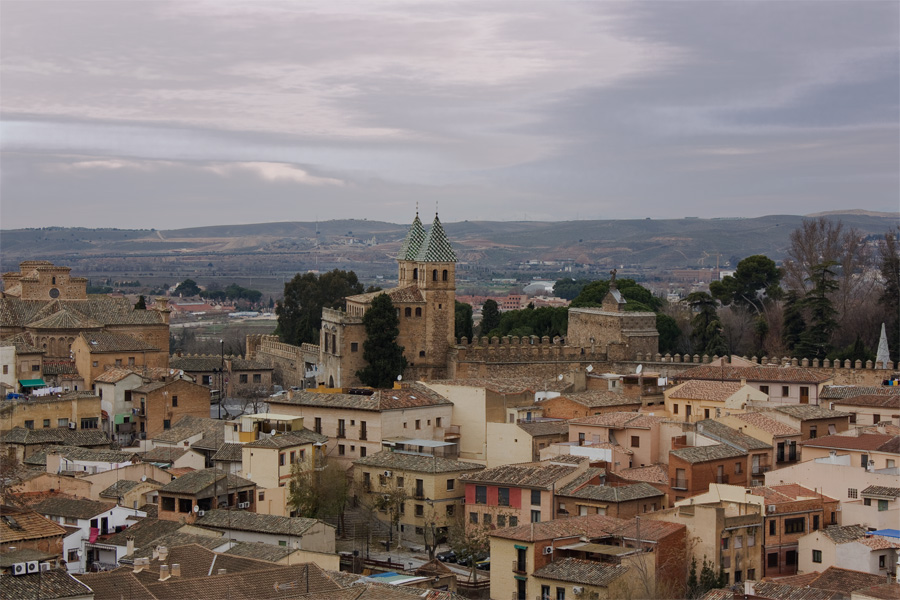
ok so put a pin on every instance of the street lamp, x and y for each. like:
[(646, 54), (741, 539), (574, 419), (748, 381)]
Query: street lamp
[(221, 376)]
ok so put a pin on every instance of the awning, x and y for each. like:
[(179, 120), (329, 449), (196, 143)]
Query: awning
[(32, 383)]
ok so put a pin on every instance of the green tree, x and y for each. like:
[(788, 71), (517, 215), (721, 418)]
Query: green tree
[(707, 328), (890, 295), (188, 287), (319, 493), (854, 352), (470, 544), (384, 357), (141, 303), (755, 280), (490, 317), (542, 321), (669, 333), (638, 298), (793, 324), (815, 341), (569, 288), (391, 501), (300, 311), (463, 316)]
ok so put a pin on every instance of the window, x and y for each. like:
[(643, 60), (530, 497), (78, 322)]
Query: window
[(797, 525), (867, 501), (852, 493), (635, 441), (167, 423), (46, 422), (725, 543), (737, 468), (815, 522), (480, 494), (882, 505), (5, 369), (257, 378), (419, 312), (434, 275), (62, 423), (93, 364), (293, 457), (772, 559), (130, 361), (451, 484), (281, 459), (206, 379), (362, 451), (674, 409), (444, 275), (168, 503), (772, 527), (535, 516), (407, 312), (503, 496), (876, 418), (354, 346), (785, 391), (403, 508), (813, 432), (751, 574), (262, 496), (501, 520), (318, 425), (486, 519), (790, 558), (764, 389), (341, 450), (29, 424), (73, 556), (449, 510), (473, 518), (174, 401), (881, 561), (513, 521), (420, 510), (817, 556), (739, 541), (726, 562), (242, 378), (705, 413), (90, 423), (118, 362), (418, 424), (536, 497), (342, 430), (864, 460), (560, 593)]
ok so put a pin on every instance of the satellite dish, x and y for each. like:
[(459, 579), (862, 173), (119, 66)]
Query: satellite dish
[(196, 508), (272, 432), (639, 369), (559, 377), (144, 478), (399, 377), (590, 368)]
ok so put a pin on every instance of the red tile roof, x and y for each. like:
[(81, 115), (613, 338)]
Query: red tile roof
[(867, 441)]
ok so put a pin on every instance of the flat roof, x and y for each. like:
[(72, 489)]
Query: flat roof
[(416, 442)]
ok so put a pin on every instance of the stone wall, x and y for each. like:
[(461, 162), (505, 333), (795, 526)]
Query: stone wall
[(289, 362), (621, 335), (519, 357)]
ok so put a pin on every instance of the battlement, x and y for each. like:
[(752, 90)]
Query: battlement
[(785, 361), (525, 349), (338, 316)]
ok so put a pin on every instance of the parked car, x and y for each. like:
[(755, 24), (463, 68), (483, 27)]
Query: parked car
[(447, 556)]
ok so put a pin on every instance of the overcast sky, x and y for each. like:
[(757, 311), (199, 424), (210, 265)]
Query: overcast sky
[(168, 115)]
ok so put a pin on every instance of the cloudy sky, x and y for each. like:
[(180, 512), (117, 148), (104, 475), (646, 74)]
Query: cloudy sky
[(167, 115)]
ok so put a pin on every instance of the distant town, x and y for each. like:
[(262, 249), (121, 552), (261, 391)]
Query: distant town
[(570, 428)]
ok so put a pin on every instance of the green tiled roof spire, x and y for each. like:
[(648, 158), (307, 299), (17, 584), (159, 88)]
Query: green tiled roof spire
[(436, 247), (414, 238)]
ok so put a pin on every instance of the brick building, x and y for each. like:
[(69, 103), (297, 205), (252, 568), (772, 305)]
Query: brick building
[(159, 404), (693, 469)]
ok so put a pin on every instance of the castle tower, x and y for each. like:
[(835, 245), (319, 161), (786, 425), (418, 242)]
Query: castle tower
[(407, 269)]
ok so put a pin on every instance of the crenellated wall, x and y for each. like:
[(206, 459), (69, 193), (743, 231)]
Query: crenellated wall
[(518, 357)]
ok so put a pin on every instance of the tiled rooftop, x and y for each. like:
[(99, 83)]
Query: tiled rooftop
[(871, 400), (697, 389), (601, 399), (61, 436), (197, 481), (15, 312), (873, 442), (29, 525), (412, 396), (791, 492), (650, 474), (606, 493), (508, 385), (540, 475), (402, 461), (55, 583), (767, 424), (78, 508), (728, 435), (881, 491), (576, 570), (620, 420), (806, 412), (295, 438), (775, 590), (591, 526), (229, 452), (240, 520), (845, 581), (762, 374), (100, 341), (701, 454), (398, 295), (843, 534), (541, 428), (413, 240), (835, 392), (164, 454), (189, 426)]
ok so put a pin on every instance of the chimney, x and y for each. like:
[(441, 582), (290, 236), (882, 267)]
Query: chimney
[(163, 572), (163, 553), (743, 381), (129, 544), (176, 570)]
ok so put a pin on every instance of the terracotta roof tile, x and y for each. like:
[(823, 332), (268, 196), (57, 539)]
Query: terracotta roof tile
[(768, 424), (697, 389), (872, 400), (758, 373), (576, 570), (55, 583), (591, 526), (78, 508), (100, 341), (775, 590), (835, 392), (650, 474), (240, 520), (287, 440), (413, 396), (728, 435), (620, 420), (790, 492), (845, 580), (197, 481), (541, 475), (600, 399), (403, 461), (24, 524), (844, 534), (806, 412), (866, 441), (541, 428), (877, 542), (881, 491), (410, 294), (507, 385), (701, 454)]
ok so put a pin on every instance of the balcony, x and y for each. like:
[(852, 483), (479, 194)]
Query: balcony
[(518, 567), (363, 436), (419, 495), (451, 432), (760, 469), (341, 434), (679, 483)]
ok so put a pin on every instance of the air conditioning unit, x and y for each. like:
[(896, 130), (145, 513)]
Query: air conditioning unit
[(20, 569), (200, 513), (388, 473), (839, 508), (32, 566), (45, 567), (577, 590), (71, 425), (771, 508), (243, 505), (548, 550)]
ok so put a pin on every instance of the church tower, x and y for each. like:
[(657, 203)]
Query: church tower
[(436, 269)]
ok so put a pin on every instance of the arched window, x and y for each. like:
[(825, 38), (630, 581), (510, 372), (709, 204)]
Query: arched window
[(434, 275), (54, 281), (408, 312), (445, 274), (331, 382), (418, 311), (415, 274)]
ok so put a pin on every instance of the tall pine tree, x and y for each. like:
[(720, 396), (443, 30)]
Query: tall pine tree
[(815, 342), (384, 357)]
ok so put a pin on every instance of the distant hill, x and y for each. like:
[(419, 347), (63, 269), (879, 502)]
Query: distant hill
[(280, 248)]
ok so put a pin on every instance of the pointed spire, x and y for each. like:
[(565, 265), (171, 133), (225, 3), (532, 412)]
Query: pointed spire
[(436, 247), (883, 355), (414, 238)]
